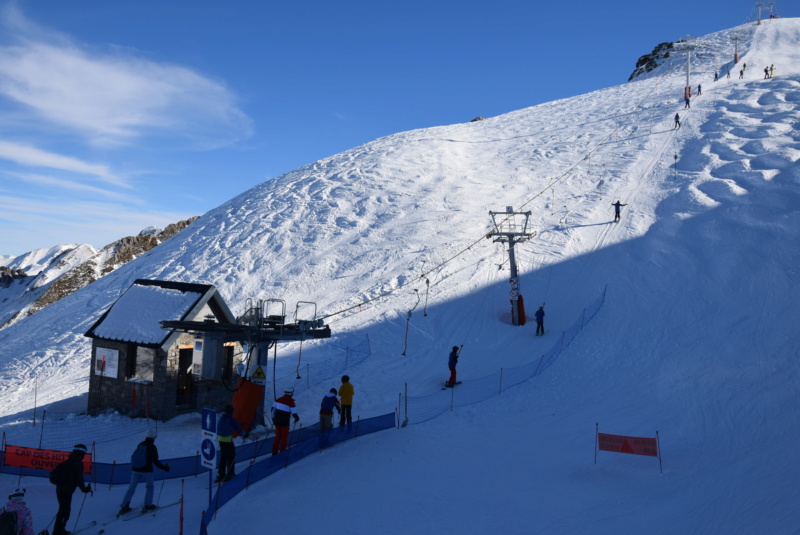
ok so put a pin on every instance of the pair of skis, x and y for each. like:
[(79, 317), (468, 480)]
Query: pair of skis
[(126, 517)]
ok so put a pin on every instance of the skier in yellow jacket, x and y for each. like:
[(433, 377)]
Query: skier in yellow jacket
[(346, 396)]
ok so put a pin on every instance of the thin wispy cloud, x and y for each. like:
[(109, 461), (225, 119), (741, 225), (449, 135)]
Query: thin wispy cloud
[(80, 124), (55, 183), (34, 157), (28, 218), (114, 97)]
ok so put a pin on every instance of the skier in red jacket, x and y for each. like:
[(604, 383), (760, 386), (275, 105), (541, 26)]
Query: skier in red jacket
[(283, 410)]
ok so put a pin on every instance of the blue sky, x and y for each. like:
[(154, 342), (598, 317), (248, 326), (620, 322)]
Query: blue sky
[(117, 116)]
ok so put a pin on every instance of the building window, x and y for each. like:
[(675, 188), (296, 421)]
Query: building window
[(130, 361)]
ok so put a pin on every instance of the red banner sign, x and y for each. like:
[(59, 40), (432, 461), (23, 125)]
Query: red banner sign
[(23, 457), (622, 444)]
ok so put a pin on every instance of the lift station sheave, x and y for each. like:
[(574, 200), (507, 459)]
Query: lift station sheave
[(256, 326)]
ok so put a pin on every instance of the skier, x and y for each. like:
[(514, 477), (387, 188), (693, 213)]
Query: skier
[(699, 90), (617, 205), (147, 455), (452, 360), (741, 74), (226, 425), (771, 70), (346, 393), (766, 73), (716, 76), (329, 402), (16, 504), (688, 103), (540, 321), (68, 476), (282, 411), (677, 120)]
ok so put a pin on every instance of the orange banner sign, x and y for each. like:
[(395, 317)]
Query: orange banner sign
[(622, 444), (23, 457)]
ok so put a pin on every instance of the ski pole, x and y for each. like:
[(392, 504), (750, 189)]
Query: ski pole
[(79, 512), (160, 490), (46, 530)]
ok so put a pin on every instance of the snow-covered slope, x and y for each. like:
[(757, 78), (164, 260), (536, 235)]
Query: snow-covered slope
[(696, 339)]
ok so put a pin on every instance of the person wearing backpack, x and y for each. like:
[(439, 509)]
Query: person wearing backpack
[(68, 476), (142, 461), (15, 517)]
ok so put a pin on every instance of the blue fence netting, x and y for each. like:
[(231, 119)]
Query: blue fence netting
[(308, 444)]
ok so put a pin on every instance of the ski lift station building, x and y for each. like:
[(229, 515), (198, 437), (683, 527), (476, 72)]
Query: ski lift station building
[(143, 370)]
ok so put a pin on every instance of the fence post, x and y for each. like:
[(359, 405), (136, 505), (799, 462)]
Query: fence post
[(406, 404), (111, 479), (35, 392), (41, 435)]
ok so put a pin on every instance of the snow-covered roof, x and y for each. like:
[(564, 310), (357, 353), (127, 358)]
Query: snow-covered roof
[(137, 315)]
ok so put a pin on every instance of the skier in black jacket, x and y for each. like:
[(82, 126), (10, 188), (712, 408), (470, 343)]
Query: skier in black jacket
[(617, 205), (67, 477)]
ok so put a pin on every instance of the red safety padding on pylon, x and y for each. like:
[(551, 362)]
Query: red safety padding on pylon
[(521, 306), (246, 400)]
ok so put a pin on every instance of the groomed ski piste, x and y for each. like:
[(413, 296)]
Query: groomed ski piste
[(696, 339)]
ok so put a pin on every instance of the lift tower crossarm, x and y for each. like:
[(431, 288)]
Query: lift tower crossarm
[(512, 227)]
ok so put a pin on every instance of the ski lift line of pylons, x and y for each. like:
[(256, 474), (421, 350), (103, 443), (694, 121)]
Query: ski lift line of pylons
[(469, 247)]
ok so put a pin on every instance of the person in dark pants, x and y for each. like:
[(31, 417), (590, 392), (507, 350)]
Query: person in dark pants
[(677, 120), (540, 321), (144, 471), (67, 477), (452, 360), (283, 410), (346, 392), (617, 205), (227, 451)]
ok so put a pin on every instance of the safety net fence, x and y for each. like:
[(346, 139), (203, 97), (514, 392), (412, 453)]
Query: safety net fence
[(417, 409)]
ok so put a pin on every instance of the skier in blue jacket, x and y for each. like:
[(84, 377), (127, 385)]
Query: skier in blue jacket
[(540, 321), (226, 425), (329, 403)]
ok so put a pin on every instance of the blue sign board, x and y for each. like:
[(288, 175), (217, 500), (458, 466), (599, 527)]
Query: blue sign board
[(208, 450), (210, 421)]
